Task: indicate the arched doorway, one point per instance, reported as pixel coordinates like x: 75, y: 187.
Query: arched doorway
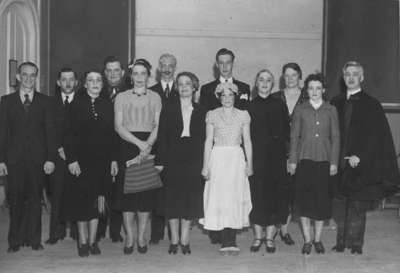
x: 19, y: 29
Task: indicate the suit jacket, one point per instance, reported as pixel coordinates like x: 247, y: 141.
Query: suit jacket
x: 61, y: 113
x: 211, y: 102
x: 173, y: 94
x: 365, y: 133
x: 27, y: 134
x: 106, y: 91
x: 170, y: 130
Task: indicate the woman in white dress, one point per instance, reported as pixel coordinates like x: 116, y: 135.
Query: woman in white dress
x: 227, y: 201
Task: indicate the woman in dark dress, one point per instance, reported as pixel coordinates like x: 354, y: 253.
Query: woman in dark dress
x: 137, y: 112
x: 292, y: 95
x: 314, y: 156
x: 180, y: 151
x: 91, y: 156
x: 269, y: 133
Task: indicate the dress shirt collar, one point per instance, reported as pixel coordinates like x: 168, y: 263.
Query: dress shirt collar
x: 222, y: 79
x: 22, y: 95
x: 350, y: 93
x: 164, y: 85
x: 322, y: 106
x: 70, y: 96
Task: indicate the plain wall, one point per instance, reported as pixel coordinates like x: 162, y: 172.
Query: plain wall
x: 261, y: 34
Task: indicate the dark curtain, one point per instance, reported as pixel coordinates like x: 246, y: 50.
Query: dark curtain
x: 84, y: 32
x: 366, y: 31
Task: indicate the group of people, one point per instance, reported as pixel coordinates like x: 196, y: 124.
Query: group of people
x: 231, y: 157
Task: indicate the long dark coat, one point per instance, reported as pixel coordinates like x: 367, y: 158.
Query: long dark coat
x: 365, y: 132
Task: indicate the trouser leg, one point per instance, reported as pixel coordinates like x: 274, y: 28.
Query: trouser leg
x: 15, y: 197
x: 57, y: 227
x: 358, y: 221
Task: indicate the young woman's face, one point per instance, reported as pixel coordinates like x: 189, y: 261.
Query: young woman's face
x: 292, y: 78
x: 264, y: 83
x: 227, y: 98
x: 185, y: 87
x: 139, y: 76
x: 94, y: 83
x: 315, y: 90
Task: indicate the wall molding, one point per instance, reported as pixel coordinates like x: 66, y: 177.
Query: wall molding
x: 208, y: 33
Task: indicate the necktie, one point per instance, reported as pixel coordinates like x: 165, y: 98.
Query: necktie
x: 167, y: 91
x: 113, y: 93
x: 93, y: 109
x: 66, y: 101
x: 27, y: 102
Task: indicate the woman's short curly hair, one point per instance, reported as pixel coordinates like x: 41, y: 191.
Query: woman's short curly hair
x: 192, y: 77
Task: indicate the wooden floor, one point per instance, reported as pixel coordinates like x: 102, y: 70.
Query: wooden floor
x: 381, y: 254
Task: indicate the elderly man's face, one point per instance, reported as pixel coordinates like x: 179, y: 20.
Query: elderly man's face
x: 167, y: 68
x: 225, y: 65
x: 113, y: 73
x: 353, y: 77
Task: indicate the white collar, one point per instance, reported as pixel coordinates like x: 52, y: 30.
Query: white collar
x: 222, y: 79
x: 316, y: 105
x: 70, y: 96
x: 350, y: 93
x: 164, y: 84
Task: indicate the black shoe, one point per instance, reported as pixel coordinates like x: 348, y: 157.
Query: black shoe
x: 117, y: 239
x: 142, y: 249
x: 255, y: 247
x: 286, y: 238
x: 270, y: 246
x: 356, y: 250
x: 173, y: 249
x: 51, y: 241
x: 128, y: 250
x: 319, y: 247
x: 37, y: 247
x: 154, y: 241
x: 94, y: 249
x: 338, y: 248
x: 83, y: 250
x: 306, y: 248
x: 13, y: 249
x: 186, y: 249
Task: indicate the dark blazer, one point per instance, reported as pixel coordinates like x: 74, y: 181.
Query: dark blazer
x: 61, y: 112
x: 173, y: 94
x: 106, y: 91
x: 170, y: 130
x: 365, y: 133
x: 31, y: 133
x: 211, y: 102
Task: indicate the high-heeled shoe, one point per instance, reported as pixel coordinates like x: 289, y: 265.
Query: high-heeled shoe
x: 306, y: 248
x: 128, y: 250
x: 270, y: 246
x: 256, y: 245
x: 142, y: 249
x: 173, y: 249
x: 286, y: 238
x: 186, y: 249
x: 319, y: 247
x: 94, y: 249
x: 83, y: 250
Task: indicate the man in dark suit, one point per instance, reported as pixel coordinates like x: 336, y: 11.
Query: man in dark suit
x: 67, y: 82
x: 114, y: 84
x: 368, y: 168
x: 224, y: 61
x: 27, y: 152
x: 166, y: 88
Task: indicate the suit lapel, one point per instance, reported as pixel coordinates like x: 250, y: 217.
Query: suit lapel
x: 179, y: 118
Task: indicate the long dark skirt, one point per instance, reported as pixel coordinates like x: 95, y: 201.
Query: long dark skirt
x: 142, y: 201
x: 183, y: 183
x: 314, y: 190
x: 270, y: 200
x: 80, y: 195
